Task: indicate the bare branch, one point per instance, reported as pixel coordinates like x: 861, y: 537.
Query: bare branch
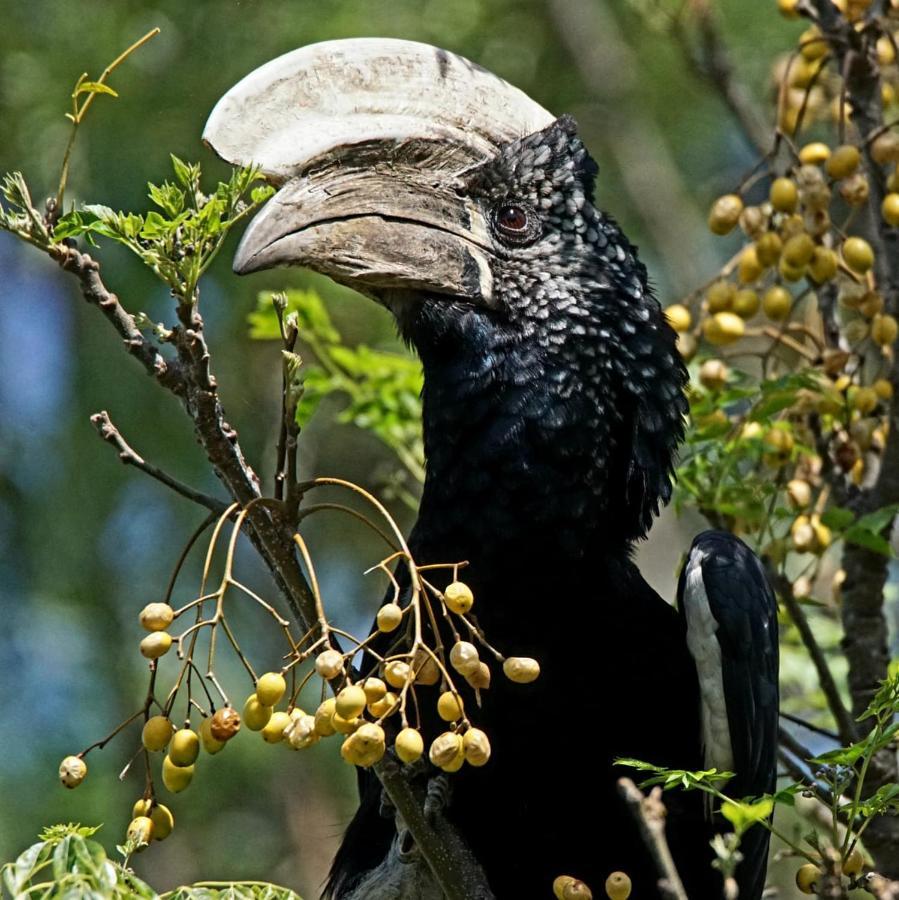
x: 709, y: 59
x: 844, y: 721
x: 649, y: 814
x: 130, y: 457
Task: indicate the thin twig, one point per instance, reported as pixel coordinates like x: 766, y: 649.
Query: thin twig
x: 130, y: 457
x: 649, y: 814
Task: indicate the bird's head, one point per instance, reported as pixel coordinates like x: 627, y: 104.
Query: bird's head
x: 452, y: 198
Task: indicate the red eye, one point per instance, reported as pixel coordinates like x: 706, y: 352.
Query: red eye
x: 516, y: 223
x: 512, y: 218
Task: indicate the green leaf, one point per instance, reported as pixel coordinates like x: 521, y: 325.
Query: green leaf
x: 94, y: 87
x: 743, y: 815
x: 838, y: 518
x: 870, y: 540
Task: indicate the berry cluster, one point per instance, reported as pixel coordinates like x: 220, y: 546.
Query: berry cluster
x: 370, y: 710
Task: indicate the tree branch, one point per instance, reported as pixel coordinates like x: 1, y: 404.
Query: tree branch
x: 649, y: 814
x: 845, y: 724
x: 710, y: 61
x: 130, y: 457
x: 864, y: 622
x: 271, y: 531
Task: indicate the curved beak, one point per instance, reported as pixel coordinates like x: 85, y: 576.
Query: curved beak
x: 367, y: 139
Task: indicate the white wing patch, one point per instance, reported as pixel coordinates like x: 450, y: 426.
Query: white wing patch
x: 706, y: 651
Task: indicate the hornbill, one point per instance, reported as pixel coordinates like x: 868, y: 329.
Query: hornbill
x: 553, y: 405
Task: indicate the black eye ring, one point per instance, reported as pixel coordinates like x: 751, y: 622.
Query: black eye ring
x: 516, y: 223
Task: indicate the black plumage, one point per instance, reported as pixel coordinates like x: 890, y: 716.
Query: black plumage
x: 553, y: 407
x: 550, y: 421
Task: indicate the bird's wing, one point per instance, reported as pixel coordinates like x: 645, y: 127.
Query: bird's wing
x: 731, y: 617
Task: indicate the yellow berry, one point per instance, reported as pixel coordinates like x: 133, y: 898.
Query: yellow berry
x: 345, y: 726
x: 884, y: 329
x: 141, y: 807
x: 351, y: 701
x: 843, y: 161
x: 858, y: 254
x: 723, y: 328
x: 140, y: 831
x: 814, y: 154
x: 225, y: 723
x: 577, y: 890
x: 302, y: 731
x: 803, y: 535
x: 864, y: 399
x: 458, y: 597
x: 854, y: 862
x: 784, y: 195
x: 720, y: 295
x: 870, y: 304
x: 446, y: 750
x: 883, y: 388
x: 210, y: 744
x: 184, y: 748
x: 777, y: 303
x: 886, y: 54
x: 521, y: 669
x: 480, y: 678
x: 789, y: 9
x: 156, y: 616
x: 270, y: 688
x: 365, y: 746
x: 768, y: 248
x: 386, y: 706
x: 746, y: 303
x: 374, y: 689
x: 560, y: 883
x: 823, y: 266
x: 618, y: 886
x: 725, y: 213
x: 425, y: 668
x: 778, y: 445
x: 389, y: 617
x: 889, y: 209
x: 678, y: 317
x: 799, y: 493
x: 273, y: 732
x: 798, y: 250
x: 156, y: 644
x: 157, y: 733
x: 324, y: 715
x: 713, y: 374
x: 163, y: 822
x: 807, y: 878
x: 476, y: 746
x: 409, y: 745
x: 329, y: 664
x: 855, y: 189
x: 749, y: 268
x: 256, y: 714
x: 687, y: 346
x: 176, y: 778
x: 397, y: 672
x: 464, y: 657
x: 811, y: 45
x: 72, y: 771
x: 885, y: 148
x: 449, y: 706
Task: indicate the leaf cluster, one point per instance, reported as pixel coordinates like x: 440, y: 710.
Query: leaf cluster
x: 67, y: 863
x: 180, y: 238
x: 382, y: 390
